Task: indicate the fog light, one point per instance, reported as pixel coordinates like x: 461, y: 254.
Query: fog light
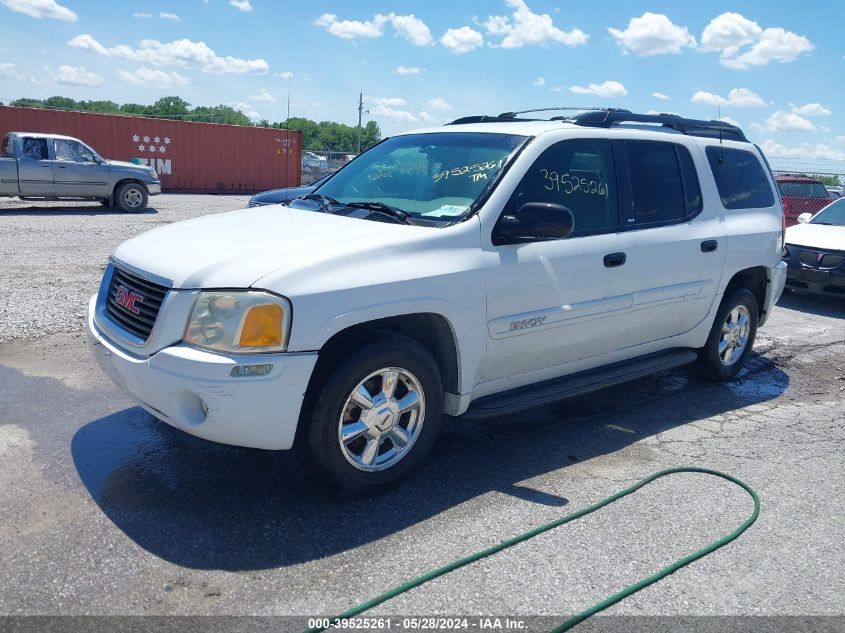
x: 251, y: 370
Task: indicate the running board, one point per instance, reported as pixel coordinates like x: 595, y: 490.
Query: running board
x: 578, y: 384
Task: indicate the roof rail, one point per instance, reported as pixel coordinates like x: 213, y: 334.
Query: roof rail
x: 607, y: 117
x: 690, y: 127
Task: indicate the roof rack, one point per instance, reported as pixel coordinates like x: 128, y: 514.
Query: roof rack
x: 607, y: 117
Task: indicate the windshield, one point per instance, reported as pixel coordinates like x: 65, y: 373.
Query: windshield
x: 834, y: 213
x: 434, y: 176
x: 792, y: 189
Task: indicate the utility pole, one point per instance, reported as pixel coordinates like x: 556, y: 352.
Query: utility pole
x: 360, y: 113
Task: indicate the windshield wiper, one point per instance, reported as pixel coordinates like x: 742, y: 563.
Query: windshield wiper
x: 385, y: 209
x: 325, y: 201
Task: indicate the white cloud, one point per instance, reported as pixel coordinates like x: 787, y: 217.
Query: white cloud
x: 388, y: 101
x: 169, y: 16
x: 246, y: 109
x: 437, y: 103
x: 185, y: 53
x: 738, y: 98
x: 661, y: 96
x: 782, y: 121
x: 540, y: 81
x: 841, y: 138
x: 462, y: 40
x: 425, y: 116
x: 8, y: 69
x: 607, y: 89
x: 286, y: 75
x: 652, y: 34
x: 810, y: 109
x: 41, y: 9
x: 819, y: 151
x: 526, y: 28
x: 78, y: 76
x: 412, y: 29
x: 408, y: 70
x: 352, y: 29
x: 142, y: 15
x: 402, y: 116
x: 743, y: 43
x: 152, y: 77
x: 264, y: 96
x: 730, y: 120
x: 241, y: 5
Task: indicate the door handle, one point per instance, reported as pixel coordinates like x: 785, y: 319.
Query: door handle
x: 614, y: 259
x: 62, y: 166
x: 708, y: 246
x: 46, y: 166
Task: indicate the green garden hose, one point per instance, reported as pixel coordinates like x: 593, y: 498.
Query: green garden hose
x: 610, y: 600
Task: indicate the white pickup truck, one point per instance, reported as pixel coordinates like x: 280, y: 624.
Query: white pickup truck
x: 52, y: 167
x: 478, y: 268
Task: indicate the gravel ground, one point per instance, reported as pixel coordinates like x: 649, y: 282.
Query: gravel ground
x: 53, y: 255
x: 106, y: 511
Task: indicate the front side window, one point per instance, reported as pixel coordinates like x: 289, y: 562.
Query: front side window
x: 73, y: 151
x: 436, y: 176
x: 740, y: 178
x: 578, y: 174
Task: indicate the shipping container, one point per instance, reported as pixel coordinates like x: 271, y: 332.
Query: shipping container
x: 188, y: 156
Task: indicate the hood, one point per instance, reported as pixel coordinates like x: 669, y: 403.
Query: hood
x: 234, y: 250
x: 124, y: 164
x: 825, y: 237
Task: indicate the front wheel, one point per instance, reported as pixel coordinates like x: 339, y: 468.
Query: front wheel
x: 731, y: 337
x: 376, y: 417
x: 131, y: 197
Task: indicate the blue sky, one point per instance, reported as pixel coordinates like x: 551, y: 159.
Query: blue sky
x: 775, y: 67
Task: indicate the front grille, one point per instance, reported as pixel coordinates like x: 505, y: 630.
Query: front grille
x: 815, y: 259
x: 135, y: 292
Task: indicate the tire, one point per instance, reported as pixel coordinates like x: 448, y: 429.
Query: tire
x: 372, y: 457
x: 131, y: 197
x: 731, y: 337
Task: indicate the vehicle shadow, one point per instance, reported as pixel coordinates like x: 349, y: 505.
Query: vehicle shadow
x: 821, y: 305
x: 207, y: 506
x: 41, y: 209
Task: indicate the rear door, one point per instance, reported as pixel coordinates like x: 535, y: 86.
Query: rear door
x: 35, y: 169
x: 677, y: 245
x: 76, y: 172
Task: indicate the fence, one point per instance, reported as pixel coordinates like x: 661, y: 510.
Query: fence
x: 318, y: 163
x: 802, y: 193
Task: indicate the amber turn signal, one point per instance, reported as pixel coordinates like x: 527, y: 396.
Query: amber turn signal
x: 263, y: 326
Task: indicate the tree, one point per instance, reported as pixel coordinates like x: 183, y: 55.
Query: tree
x: 829, y: 180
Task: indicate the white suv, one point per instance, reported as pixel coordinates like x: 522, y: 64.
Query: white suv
x: 486, y: 266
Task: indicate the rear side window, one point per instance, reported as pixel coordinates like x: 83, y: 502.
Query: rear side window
x: 664, y: 186
x: 580, y: 175
x: 740, y: 179
x: 803, y: 190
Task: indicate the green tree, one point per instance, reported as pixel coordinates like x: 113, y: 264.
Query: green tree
x: 829, y: 180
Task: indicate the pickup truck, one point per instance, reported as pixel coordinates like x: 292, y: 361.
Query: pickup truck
x: 52, y: 167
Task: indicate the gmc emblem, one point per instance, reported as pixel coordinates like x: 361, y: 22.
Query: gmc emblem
x: 128, y: 299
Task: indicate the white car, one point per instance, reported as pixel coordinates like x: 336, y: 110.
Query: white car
x: 815, y: 251
x: 478, y: 268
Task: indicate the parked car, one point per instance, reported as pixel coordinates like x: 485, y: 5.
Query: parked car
x: 52, y: 167
x: 800, y: 194
x: 312, y: 161
x: 286, y: 194
x: 479, y: 268
x: 815, y: 251
x: 835, y: 192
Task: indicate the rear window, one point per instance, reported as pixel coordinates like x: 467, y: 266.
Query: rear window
x: 803, y: 190
x: 740, y: 179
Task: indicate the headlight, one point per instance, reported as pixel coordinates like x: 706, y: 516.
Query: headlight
x: 153, y: 174
x: 242, y: 322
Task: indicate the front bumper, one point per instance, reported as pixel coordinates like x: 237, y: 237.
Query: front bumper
x: 829, y: 281
x: 193, y: 390
x: 153, y: 188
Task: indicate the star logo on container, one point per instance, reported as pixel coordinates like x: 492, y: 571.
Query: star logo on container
x: 141, y: 148
x: 136, y: 138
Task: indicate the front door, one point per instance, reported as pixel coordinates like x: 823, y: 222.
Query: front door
x: 35, y: 169
x: 550, y: 303
x: 76, y: 172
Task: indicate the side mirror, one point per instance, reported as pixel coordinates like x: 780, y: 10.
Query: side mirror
x: 804, y: 218
x: 533, y: 222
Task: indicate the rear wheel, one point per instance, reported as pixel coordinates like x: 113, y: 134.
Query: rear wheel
x: 732, y: 336
x: 376, y: 417
x: 131, y: 197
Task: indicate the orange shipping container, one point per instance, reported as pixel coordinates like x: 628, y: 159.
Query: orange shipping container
x: 188, y: 156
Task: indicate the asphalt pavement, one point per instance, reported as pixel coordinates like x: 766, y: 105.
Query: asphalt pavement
x: 106, y: 511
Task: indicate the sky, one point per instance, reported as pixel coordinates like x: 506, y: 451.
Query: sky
x: 775, y: 68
